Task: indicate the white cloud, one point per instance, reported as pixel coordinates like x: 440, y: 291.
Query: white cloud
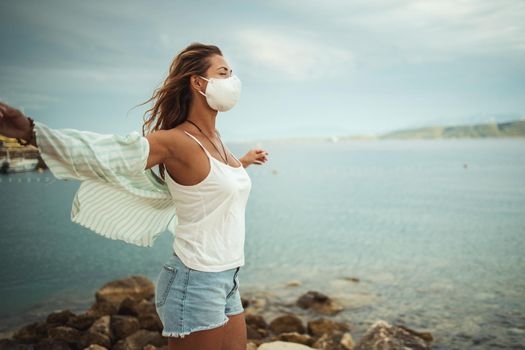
x: 294, y: 55
x: 419, y: 31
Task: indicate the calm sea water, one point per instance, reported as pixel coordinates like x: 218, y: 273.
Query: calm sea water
x: 434, y: 230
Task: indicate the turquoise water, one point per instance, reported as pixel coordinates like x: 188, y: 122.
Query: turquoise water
x: 434, y: 230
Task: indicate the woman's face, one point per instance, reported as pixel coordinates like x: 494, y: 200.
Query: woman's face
x: 219, y: 68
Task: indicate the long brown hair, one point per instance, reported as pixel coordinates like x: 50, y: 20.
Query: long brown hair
x: 173, y: 97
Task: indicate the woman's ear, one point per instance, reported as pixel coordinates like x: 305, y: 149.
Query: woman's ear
x: 197, y: 83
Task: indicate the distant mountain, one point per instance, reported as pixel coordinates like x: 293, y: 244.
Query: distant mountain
x: 507, y: 129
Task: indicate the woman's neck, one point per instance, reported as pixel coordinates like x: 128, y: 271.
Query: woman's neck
x: 204, y: 118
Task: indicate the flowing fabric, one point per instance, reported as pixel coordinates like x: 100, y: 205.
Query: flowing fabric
x: 118, y: 198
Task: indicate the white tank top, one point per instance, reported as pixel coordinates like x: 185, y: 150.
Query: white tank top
x: 209, y: 235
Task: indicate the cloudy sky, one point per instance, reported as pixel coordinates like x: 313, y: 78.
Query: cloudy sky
x: 308, y: 68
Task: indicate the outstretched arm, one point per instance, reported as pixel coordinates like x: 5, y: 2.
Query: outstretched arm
x: 81, y: 155
x: 254, y: 156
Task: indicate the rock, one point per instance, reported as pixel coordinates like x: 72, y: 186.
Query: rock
x: 31, y: 333
x: 139, y: 339
x: 10, y: 344
x: 319, y: 302
x: 245, y: 302
x: 151, y: 322
x: 383, y: 336
x: 59, y: 318
x: 136, y: 287
x: 256, y: 321
x: 251, y: 346
x: 103, y: 308
x: 133, y: 307
x: 352, y: 279
x: 102, y: 326
x: 347, y: 341
x: 293, y: 283
x: 81, y: 322
x: 426, y: 336
x: 95, y: 347
x: 92, y: 338
x: 122, y: 326
x: 144, y: 310
x: 281, y: 345
x: 287, y: 323
x: 98, y: 334
x: 128, y: 306
x: 257, y: 303
x: 66, y: 334
x: 153, y: 347
x: 294, y: 337
x: 320, y: 326
x: 252, y: 333
x: 52, y: 344
x: 334, y: 341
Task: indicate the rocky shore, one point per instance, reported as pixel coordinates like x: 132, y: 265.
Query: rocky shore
x: 123, y: 317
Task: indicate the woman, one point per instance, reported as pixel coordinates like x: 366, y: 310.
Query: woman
x: 197, y: 295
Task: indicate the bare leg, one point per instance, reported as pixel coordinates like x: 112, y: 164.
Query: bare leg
x: 235, y: 334
x: 209, y: 339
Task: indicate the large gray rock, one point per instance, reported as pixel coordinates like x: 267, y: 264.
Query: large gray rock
x: 334, y: 341
x: 382, y: 336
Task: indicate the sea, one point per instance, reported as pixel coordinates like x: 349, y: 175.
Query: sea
x: 429, y: 234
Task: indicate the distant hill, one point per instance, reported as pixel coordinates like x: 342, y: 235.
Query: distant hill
x: 506, y: 129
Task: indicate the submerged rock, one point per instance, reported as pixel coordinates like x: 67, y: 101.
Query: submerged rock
x: 319, y: 302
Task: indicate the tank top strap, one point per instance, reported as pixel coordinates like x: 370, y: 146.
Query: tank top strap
x: 193, y: 137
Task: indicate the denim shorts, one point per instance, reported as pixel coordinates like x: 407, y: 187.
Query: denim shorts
x: 189, y: 300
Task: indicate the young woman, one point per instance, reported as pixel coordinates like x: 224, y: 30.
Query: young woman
x: 197, y: 291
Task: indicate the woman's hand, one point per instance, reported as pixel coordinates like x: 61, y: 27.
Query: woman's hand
x: 254, y: 156
x: 13, y: 123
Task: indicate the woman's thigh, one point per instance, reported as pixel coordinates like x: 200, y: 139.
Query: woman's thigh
x: 211, y: 339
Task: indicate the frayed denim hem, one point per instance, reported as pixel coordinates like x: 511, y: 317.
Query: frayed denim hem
x: 182, y: 334
x: 236, y: 313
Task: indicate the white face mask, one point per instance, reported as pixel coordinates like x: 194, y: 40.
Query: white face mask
x: 222, y: 94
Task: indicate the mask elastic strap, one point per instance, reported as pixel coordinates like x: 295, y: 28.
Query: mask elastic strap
x: 203, y: 94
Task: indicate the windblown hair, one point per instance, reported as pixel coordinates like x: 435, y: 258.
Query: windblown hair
x: 173, y: 98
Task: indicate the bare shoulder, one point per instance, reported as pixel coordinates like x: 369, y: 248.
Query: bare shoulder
x: 180, y: 146
x: 167, y: 145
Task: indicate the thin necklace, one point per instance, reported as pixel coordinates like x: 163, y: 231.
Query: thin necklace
x: 226, y: 161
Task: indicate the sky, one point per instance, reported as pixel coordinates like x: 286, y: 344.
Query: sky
x: 308, y: 68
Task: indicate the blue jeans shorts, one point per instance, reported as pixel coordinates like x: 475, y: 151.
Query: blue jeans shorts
x: 189, y: 300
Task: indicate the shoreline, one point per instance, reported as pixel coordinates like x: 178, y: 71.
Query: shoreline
x: 123, y: 312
